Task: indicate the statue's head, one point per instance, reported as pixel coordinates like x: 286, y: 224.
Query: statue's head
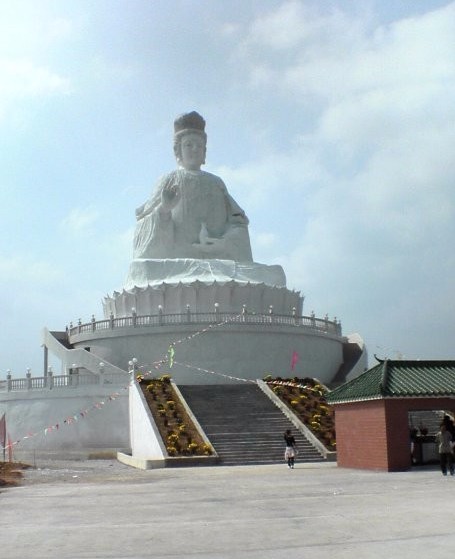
x: 189, y: 128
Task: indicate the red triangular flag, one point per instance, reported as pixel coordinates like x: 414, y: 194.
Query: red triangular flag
x: 294, y: 359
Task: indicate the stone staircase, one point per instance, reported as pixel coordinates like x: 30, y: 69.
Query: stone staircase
x: 244, y: 425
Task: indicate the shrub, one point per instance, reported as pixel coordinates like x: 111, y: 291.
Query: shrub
x: 172, y: 439
x: 192, y: 447
x: 177, y: 430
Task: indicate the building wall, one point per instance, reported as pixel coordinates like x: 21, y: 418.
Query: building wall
x: 361, y: 435
x: 30, y: 413
x: 375, y: 434
x: 247, y: 351
x: 146, y: 441
x: 397, y: 432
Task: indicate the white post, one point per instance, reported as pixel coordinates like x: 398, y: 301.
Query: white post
x: 28, y: 375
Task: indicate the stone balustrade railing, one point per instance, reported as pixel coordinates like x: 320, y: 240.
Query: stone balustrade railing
x: 136, y: 321
x: 50, y: 381
x: 78, y: 378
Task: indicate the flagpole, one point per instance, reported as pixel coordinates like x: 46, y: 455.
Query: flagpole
x: 3, y: 435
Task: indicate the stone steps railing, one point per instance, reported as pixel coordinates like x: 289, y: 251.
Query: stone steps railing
x: 136, y: 321
x: 53, y: 382
x: 82, y: 367
x: 78, y: 356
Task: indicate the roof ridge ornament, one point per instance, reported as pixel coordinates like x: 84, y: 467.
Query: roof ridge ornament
x: 385, y: 377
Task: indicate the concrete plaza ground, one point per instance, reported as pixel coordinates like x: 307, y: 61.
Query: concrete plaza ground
x: 104, y: 509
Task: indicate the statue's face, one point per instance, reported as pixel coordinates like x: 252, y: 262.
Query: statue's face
x: 192, y: 152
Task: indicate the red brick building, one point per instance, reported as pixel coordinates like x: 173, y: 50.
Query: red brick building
x: 371, y: 411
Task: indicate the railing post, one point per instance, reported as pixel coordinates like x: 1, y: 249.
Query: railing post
x: 79, y: 324
x: 51, y: 380
x: 134, y: 316
x: 217, y: 312
x: 294, y: 314
x: 313, y: 319
x: 326, y: 320
x: 46, y: 356
x: 111, y: 321
x: 160, y: 315
x: 46, y: 376
x: 188, y: 313
x: 337, y: 326
x: 8, y: 380
x: 28, y: 376
x: 93, y: 323
x: 73, y: 379
x: 132, y: 368
x: 271, y: 313
x: 244, y: 312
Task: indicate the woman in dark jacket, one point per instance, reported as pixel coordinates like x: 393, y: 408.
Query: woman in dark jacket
x: 290, y: 452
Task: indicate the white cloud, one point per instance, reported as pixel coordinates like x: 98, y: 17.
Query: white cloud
x: 374, y: 176
x: 80, y: 221
x: 24, y: 271
x: 286, y: 27
x: 263, y: 240
x: 333, y: 56
x: 25, y: 72
x: 22, y: 78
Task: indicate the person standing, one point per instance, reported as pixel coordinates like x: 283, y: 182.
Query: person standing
x: 444, y: 442
x: 290, y: 452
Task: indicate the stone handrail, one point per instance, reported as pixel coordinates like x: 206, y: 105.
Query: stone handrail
x: 136, y: 321
x: 51, y: 381
x: 79, y: 356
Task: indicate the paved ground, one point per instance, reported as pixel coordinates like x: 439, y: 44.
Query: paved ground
x: 104, y: 509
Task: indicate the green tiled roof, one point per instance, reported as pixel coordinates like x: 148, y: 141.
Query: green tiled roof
x: 399, y: 379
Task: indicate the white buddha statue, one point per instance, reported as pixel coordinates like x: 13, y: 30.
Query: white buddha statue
x: 191, y: 228
x: 190, y: 213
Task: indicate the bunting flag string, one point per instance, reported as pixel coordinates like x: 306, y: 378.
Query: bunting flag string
x: 156, y: 365
x: 291, y: 383
x: 71, y: 419
x: 224, y: 375
x: 168, y: 359
x: 389, y: 350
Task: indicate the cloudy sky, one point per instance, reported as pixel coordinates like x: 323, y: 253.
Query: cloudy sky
x: 332, y: 123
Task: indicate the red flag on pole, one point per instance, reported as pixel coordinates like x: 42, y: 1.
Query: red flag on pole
x: 3, y: 434
x: 294, y: 359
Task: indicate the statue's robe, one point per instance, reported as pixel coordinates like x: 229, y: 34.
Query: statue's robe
x: 204, y: 199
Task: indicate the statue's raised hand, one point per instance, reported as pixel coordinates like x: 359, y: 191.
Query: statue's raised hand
x: 170, y: 196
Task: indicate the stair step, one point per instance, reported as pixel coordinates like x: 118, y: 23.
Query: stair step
x: 244, y: 425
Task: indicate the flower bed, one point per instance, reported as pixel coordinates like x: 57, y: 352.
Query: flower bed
x: 11, y: 473
x: 306, y: 398
x: 176, y: 427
